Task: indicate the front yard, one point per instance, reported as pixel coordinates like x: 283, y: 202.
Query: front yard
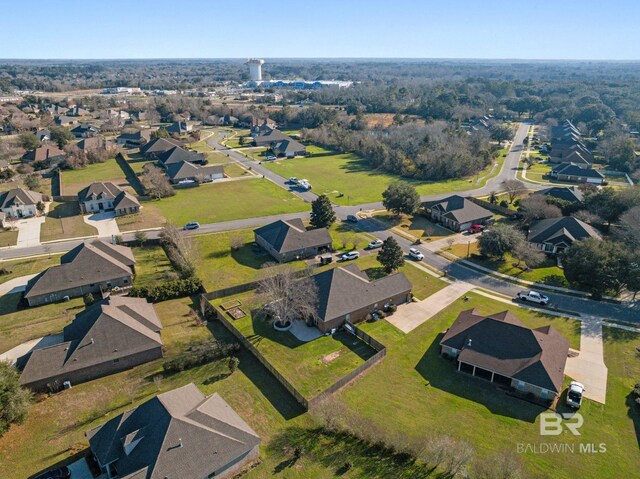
x: 416, y: 226
x: 64, y: 220
x: 8, y: 237
x: 212, y: 203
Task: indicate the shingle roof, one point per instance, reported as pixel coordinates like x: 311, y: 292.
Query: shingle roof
x: 290, y: 235
x: 114, y: 328
x: 571, y: 169
x: 459, y: 209
x: 19, y: 197
x: 125, y: 200
x: 177, y: 154
x: 87, y: 263
x: 43, y: 152
x: 565, y: 229
x: 502, y: 344
x: 158, y: 145
x: 287, y: 146
x: 346, y: 289
x: 562, y: 192
x: 99, y: 190
x: 180, y: 433
x: 91, y: 143
x: 184, y: 169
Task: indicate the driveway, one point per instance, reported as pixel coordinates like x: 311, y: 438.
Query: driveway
x: 13, y: 354
x: 104, y: 222
x: 80, y: 470
x: 15, y: 285
x: 29, y: 231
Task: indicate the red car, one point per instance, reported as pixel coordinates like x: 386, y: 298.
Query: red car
x: 476, y: 228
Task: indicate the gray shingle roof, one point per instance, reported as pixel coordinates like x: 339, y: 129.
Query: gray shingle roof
x: 459, y: 209
x: 185, y: 169
x: 177, y: 154
x: 19, y: 196
x: 87, y: 263
x: 571, y: 169
x: 563, y: 193
x: 502, y: 344
x: 99, y: 190
x: 565, y: 229
x: 290, y: 235
x: 109, y: 330
x: 346, y: 289
x: 125, y: 200
x: 179, y: 434
x: 43, y: 152
x: 159, y: 145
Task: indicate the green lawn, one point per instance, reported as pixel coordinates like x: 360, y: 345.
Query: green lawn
x: 18, y: 326
x: 65, y: 221
x: 22, y: 267
x: 416, y: 226
x: 233, y: 200
x: 232, y: 170
x: 8, y: 237
x: 547, y: 273
x: 74, y: 180
x: 149, y: 217
x: 348, y: 179
x: 414, y: 391
x: 152, y: 265
x: 311, y: 367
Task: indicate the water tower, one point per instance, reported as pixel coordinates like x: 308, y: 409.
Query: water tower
x: 255, y: 68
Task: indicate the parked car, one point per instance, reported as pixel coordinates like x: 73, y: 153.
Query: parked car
x: 416, y: 254
x: 375, y: 244
x: 293, y: 180
x: 533, y: 296
x: 350, y: 255
x: 574, y: 394
x: 59, y: 473
x: 352, y: 218
x: 476, y: 229
x: 271, y: 158
x: 193, y: 225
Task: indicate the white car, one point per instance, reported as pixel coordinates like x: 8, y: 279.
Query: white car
x: 416, y: 254
x: 304, y: 184
x: 350, y: 255
x: 375, y: 244
x: 574, y: 394
x: 534, y: 297
x: 271, y: 158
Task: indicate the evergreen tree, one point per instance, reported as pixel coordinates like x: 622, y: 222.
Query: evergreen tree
x: 322, y: 214
x: 391, y: 256
x: 13, y: 398
x: 401, y: 197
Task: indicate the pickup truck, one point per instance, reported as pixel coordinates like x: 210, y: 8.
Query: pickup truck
x: 533, y: 296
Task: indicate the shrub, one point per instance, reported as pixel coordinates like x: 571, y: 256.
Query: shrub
x: 168, y: 290
x: 381, y: 314
x: 504, y: 203
x: 201, y: 353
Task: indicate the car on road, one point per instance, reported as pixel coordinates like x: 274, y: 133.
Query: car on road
x: 304, y: 184
x: 271, y: 158
x: 293, y: 180
x: 533, y: 296
x: 59, y: 473
x: 352, y: 218
x: 416, y: 254
x: 192, y: 225
x: 476, y: 229
x: 375, y: 244
x: 574, y: 394
x: 349, y: 256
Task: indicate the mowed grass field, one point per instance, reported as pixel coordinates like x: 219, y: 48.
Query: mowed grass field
x: 74, y: 180
x: 64, y: 220
x: 349, y: 180
x: 212, y: 203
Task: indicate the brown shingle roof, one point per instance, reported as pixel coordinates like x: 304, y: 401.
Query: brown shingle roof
x: 19, y: 196
x: 458, y: 209
x: 290, y: 235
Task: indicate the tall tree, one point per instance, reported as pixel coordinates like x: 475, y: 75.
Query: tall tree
x: 501, y: 133
x: 499, y: 240
x: 513, y: 188
x: 61, y: 136
x: 390, y: 256
x: 322, y: 214
x: 401, y: 197
x: 13, y: 398
x: 28, y: 140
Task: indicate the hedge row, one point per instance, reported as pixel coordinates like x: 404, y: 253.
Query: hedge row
x: 167, y: 290
x: 200, y: 353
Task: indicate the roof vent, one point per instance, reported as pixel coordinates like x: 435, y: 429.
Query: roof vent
x: 180, y: 442
x: 469, y: 343
x: 92, y: 341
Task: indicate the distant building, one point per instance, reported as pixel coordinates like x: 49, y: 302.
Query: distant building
x: 278, y: 143
x: 43, y: 153
x: 576, y: 174
x: 255, y: 68
x: 135, y: 139
x: 157, y: 146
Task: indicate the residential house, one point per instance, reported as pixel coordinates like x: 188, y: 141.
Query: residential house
x: 178, y: 154
x: 85, y: 130
x: 93, y: 143
x: 178, y: 434
x: 157, y: 146
x: 184, y: 171
x: 456, y: 212
x: 5, y: 165
x: 46, y: 152
x: 500, y: 349
x: 19, y: 203
x: 554, y: 235
x: 105, y: 196
x: 64, y: 120
x: 138, y: 115
x: 346, y: 293
x: 289, y: 240
x: 93, y: 268
x: 43, y: 135
x: 134, y: 139
x: 279, y: 143
x: 113, y: 335
x: 179, y: 128
x: 77, y: 111
x: 576, y: 174
x: 571, y: 156
x: 564, y: 193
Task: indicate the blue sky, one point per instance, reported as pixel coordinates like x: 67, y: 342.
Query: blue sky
x: 534, y: 29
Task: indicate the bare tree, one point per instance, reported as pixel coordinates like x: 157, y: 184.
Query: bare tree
x: 513, y: 188
x: 527, y: 256
x: 155, y: 182
x: 180, y: 249
x: 629, y: 227
x: 236, y: 241
x: 459, y: 454
x: 536, y: 208
x: 505, y: 465
x: 285, y: 295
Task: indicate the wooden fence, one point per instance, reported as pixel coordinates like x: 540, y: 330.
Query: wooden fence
x: 129, y: 174
x: 210, y: 311
x: 501, y: 210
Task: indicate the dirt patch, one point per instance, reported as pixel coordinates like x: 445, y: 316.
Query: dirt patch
x: 236, y: 313
x: 329, y: 358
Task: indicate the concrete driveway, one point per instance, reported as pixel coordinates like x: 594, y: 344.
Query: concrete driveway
x: 29, y: 231
x: 104, y: 222
x: 15, y: 285
x: 80, y: 470
x: 13, y: 354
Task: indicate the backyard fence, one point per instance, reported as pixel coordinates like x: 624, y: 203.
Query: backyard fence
x: 208, y: 310
x: 129, y: 174
x: 493, y: 207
